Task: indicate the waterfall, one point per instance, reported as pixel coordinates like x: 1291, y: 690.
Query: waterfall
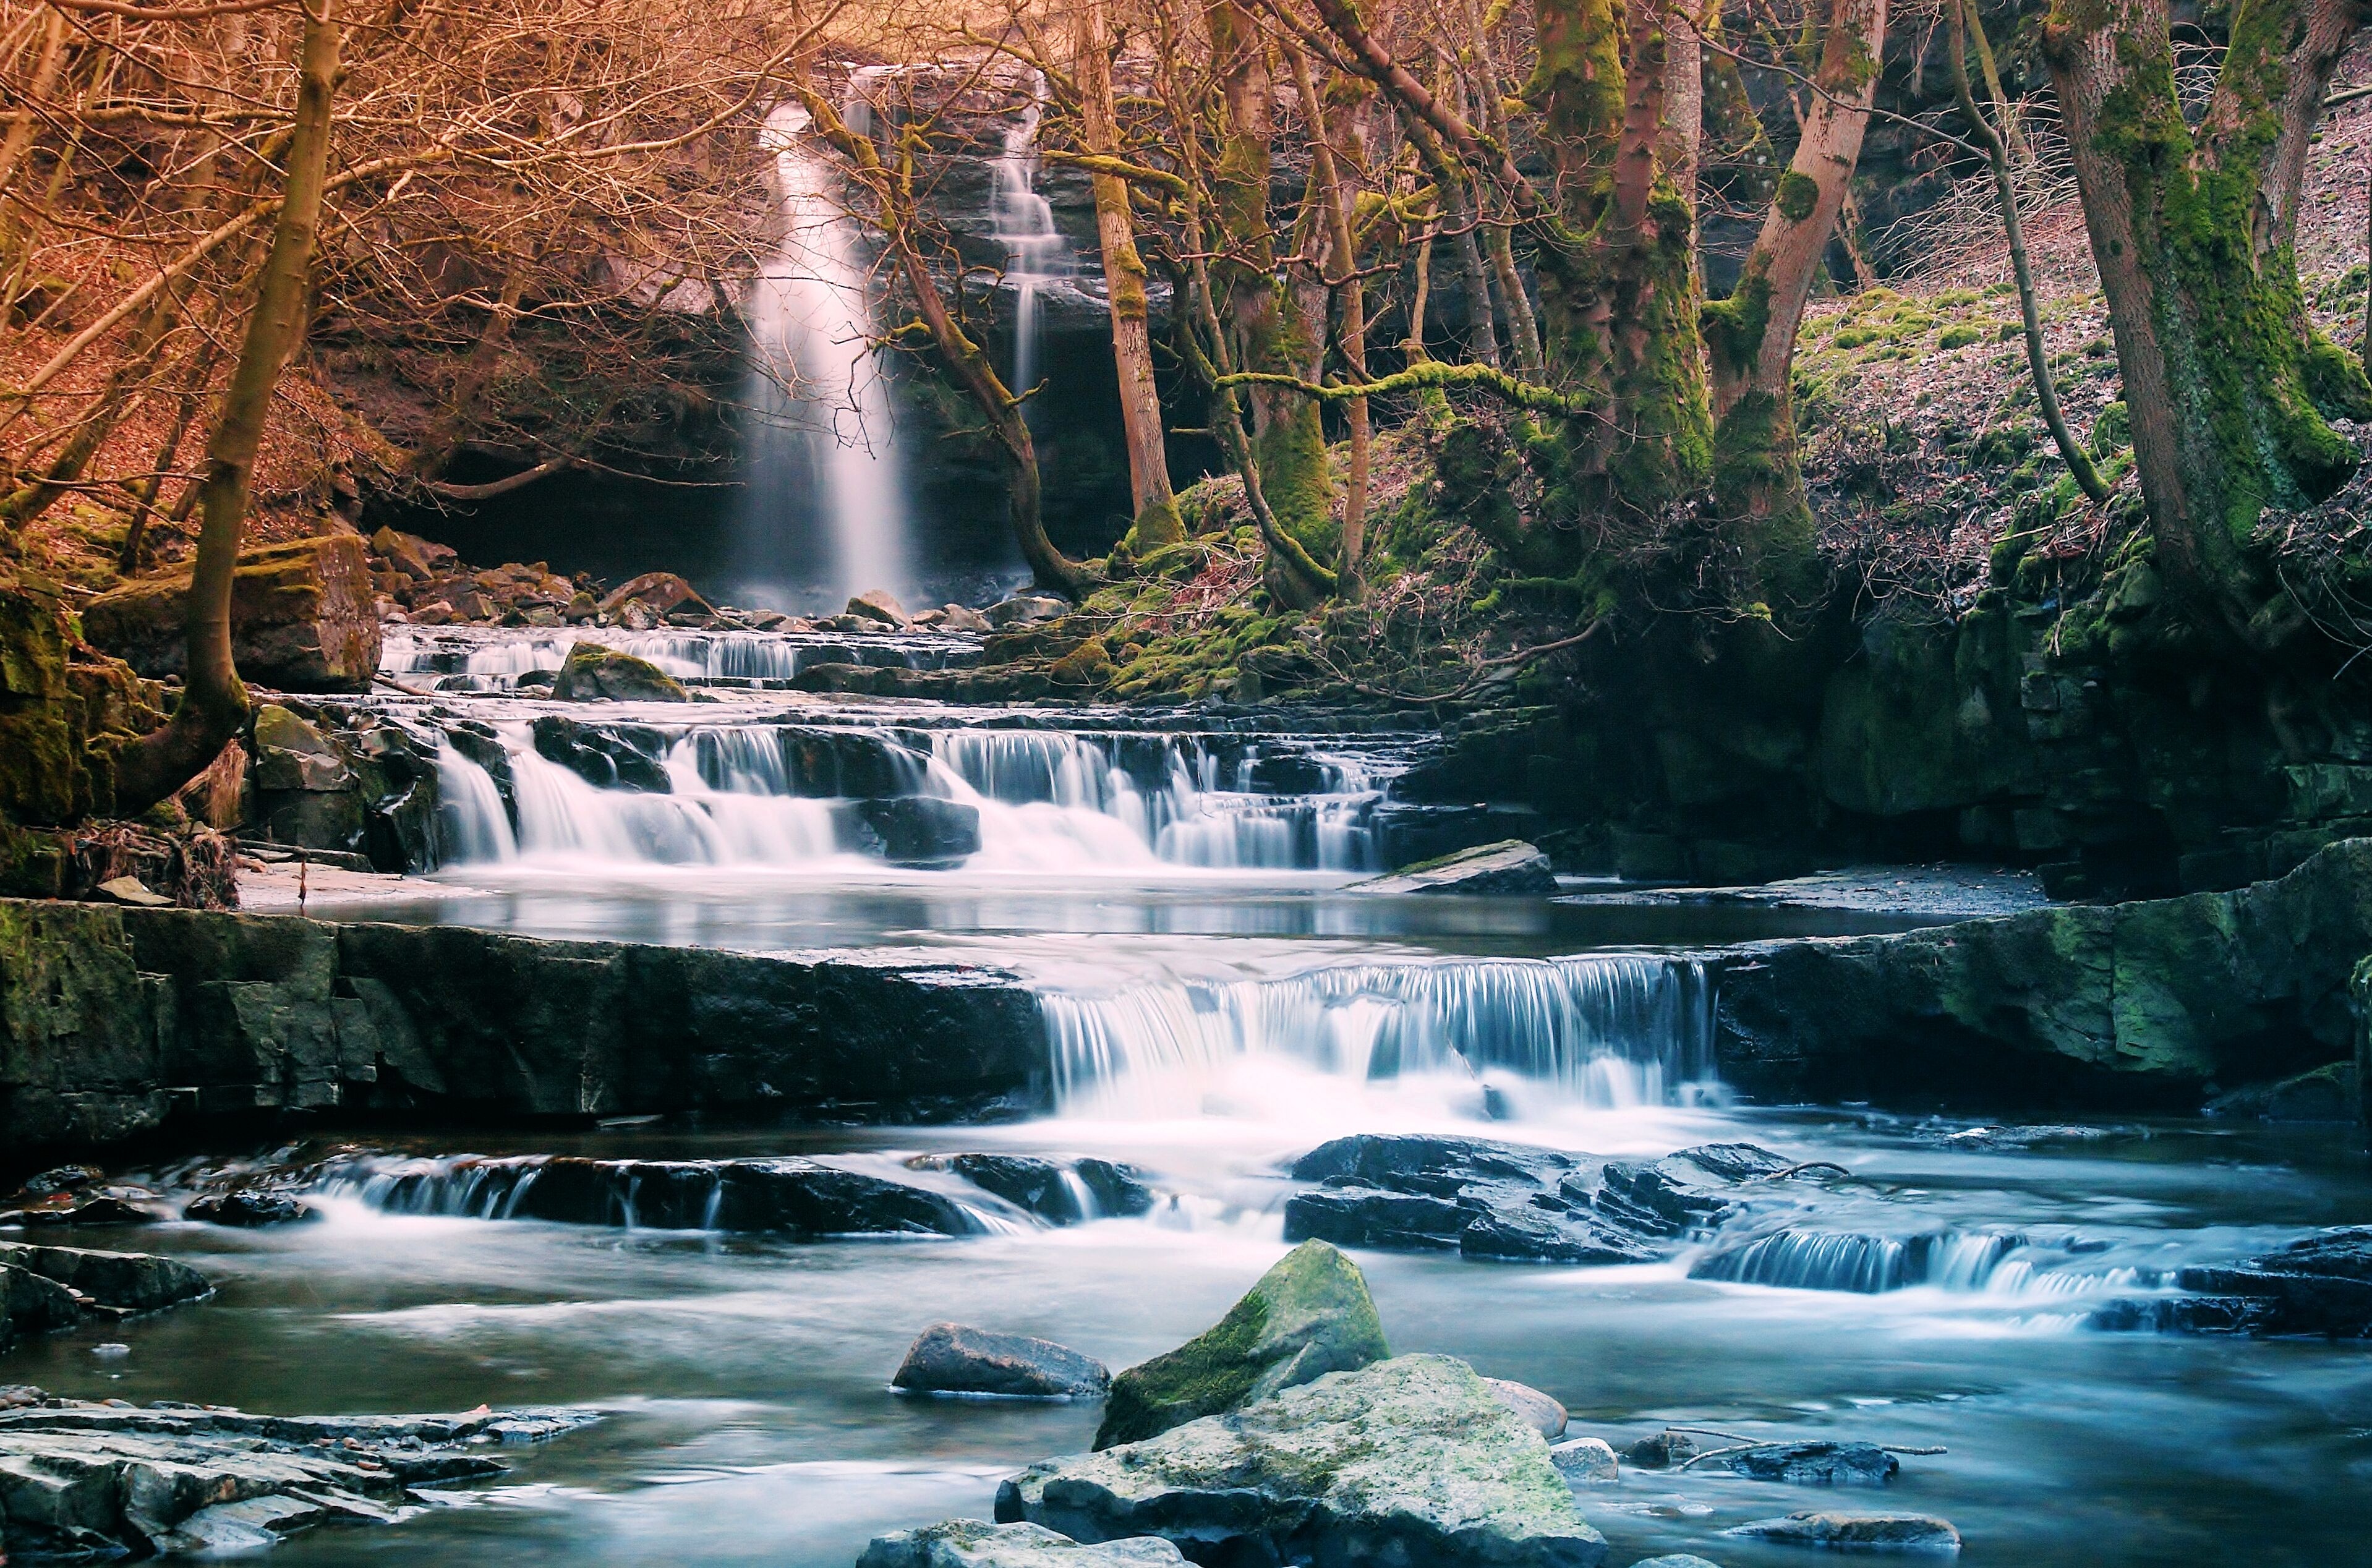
x: 478, y: 659
x: 1607, y: 1030
x: 1035, y: 253
x: 2005, y: 1263
x: 821, y: 405
x: 785, y: 795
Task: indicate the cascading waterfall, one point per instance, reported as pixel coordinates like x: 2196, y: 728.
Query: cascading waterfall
x: 1035, y: 253
x: 494, y: 661
x: 2000, y: 1262
x: 821, y: 406
x: 1607, y: 1030
x: 768, y: 795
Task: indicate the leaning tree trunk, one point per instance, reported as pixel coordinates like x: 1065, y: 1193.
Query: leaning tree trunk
x: 1288, y: 442
x: 2229, y: 381
x: 213, y: 703
x: 1750, y: 336
x: 1156, y: 521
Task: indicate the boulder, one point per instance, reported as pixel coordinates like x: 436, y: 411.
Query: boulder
x: 1053, y: 1192
x: 1024, y: 610
x: 1662, y: 1451
x: 878, y: 604
x: 951, y: 1358
x: 1309, y: 1316
x: 133, y: 891
x: 89, y: 1481
x: 2319, y: 1284
x: 412, y: 555
x: 1537, y: 1410
x: 2326, y: 1093
x: 250, y: 1208
x: 608, y: 757
x: 1510, y: 866
x: 1811, y: 1464
x: 659, y: 593
x: 120, y: 1282
x: 1857, y: 1532
x: 1410, y: 1460
x: 595, y: 673
x: 1586, y: 1459
x: 924, y: 829
x: 970, y: 1543
x: 304, y: 618
x: 31, y: 1303
x: 958, y: 618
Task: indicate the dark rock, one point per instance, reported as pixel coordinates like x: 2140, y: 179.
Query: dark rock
x: 2319, y: 1285
x: 1510, y: 866
x: 1691, y: 1191
x: 924, y: 829
x: 103, y: 1209
x: 1120, y: 1191
x: 32, y: 1304
x: 93, y: 1481
x: 1056, y: 1192
x: 1812, y: 1464
x: 1662, y: 1451
x: 1406, y: 1461
x: 949, y: 1358
x: 303, y: 618
x: 108, y: 1009
x: 595, y: 673
x: 61, y: 1179
x: 123, y: 1282
x: 2326, y: 1093
x: 1857, y: 1532
x: 607, y: 757
x: 1509, y: 1233
x: 250, y: 1208
x: 1308, y: 1315
x: 1388, y: 1222
x: 970, y: 1543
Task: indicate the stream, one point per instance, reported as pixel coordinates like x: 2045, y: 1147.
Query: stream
x: 1215, y: 1002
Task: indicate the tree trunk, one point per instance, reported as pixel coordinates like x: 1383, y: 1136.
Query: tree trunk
x: 2228, y: 380
x: 1750, y: 336
x: 1287, y: 440
x: 213, y: 703
x: 1155, y: 508
x: 1336, y: 121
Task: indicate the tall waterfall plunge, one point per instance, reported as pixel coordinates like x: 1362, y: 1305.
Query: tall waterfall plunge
x: 822, y: 512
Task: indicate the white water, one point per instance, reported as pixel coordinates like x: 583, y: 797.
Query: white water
x: 1489, y: 1037
x: 492, y: 661
x: 821, y: 404
x: 1049, y: 801
x: 1035, y: 253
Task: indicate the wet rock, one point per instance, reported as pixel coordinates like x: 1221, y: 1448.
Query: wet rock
x: 1541, y: 1229
x: 1662, y: 1451
x: 951, y: 1358
x: 593, y: 672
x: 1053, y: 1192
x: 1024, y: 610
x: 96, y: 1209
x: 1410, y: 1461
x: 960, y: 618
x: 95, y: 1481
x: 610, y: 757
x: 923, y: 830
x: 30, y: 1304
x: 304, y: 618
x: 60, y: 1179
x: 1537, y: 1410
x: 1120, y: 1191
x: 1309, y: 1316
x: 1811, y: 1464
x: 970, y: 1543
x: 1511, y: 865
x: 2326, y: 1093
x: 1693, y: 1191
x: 879, y: 605
x: 250, y: 1208
x: 2319, y: 1285
x: 1857, y: 1532
x: 659, y: 594
x: 124, y: 1282
x: 1586, y: 1459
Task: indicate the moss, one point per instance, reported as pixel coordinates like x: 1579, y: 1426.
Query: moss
x: 1959, y: 337
x: 1089, y: 664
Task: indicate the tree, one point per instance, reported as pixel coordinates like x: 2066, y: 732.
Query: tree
x: 2229, y: 383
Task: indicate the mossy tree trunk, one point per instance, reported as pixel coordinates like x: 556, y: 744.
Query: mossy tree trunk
x: 1267, y: 337
x: 1156, y: 508
x: 213, y: 703
x: 1750, y: 336
x: 2229, y: 384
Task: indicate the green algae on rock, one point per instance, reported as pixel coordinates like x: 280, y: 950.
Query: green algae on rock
x: 1310, y: 1315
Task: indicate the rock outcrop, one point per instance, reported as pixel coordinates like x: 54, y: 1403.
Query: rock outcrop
x: 2141, y: 1005
x: 952, y: 1358
x: 1510, y: 866
x: 972, y: 1543
x: 2319, y: 1285
x: 88, y: 1481
x: 303, y: 618
x: 113, y: 1021
x: 1308, y: 1315
x: 1411, y: 1461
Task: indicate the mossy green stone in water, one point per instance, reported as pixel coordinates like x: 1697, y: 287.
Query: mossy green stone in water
x: 594, y: 672
x: 1309, y: 1316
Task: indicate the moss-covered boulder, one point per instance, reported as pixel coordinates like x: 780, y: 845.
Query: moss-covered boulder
x: 1410, y: 1461
x: 593, y: 672
x: 973, y: 1543
x: 1309, y: 1316
x: 304, y: 617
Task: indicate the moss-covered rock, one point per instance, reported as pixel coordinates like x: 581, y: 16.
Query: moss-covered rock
x: 594, y: 673
x: 1411, y: 1461
x: 1308, y: 1315
x: 973, y: 1543
x: 304, y: 618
